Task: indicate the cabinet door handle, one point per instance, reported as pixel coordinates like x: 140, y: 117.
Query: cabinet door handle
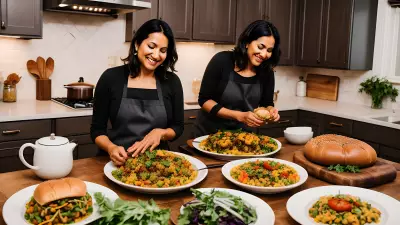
x: 336, y: 124
x: 318, y: 61
x: 192, y: 117
x: 3, y: 25
x: 284, y: 121
x: 8, y: 132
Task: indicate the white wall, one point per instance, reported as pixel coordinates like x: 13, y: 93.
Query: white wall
x: 87, y: 45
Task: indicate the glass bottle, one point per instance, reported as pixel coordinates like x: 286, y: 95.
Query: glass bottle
x: 9, y: 93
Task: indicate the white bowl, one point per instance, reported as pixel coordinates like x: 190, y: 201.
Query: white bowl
x: 298, y: 135
x: 226, y: 171
x: 197, y: 164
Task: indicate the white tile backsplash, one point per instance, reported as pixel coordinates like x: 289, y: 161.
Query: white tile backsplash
x: 85, y: 46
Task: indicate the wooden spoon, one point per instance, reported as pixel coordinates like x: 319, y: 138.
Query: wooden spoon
x: 49, y: 67
x: 33, y: 68
x: 42, y: 67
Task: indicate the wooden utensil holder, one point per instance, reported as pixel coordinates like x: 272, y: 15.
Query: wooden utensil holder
x: 43, y: 89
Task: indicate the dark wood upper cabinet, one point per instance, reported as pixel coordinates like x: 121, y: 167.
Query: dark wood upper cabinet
x: 136, y: 19
x: 178, y: 14
x: 283, y: 14
x: 337, y: 34
x: 21, y: 18
x: 310, y: 33
x: 214, y: 21
x: 248, y: 12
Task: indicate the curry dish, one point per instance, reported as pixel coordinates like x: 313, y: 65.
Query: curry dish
x: 63, y: 211
x: 238, y: 143
x: 156, y: 169
x: 344, y: 209
x: 265, y: 174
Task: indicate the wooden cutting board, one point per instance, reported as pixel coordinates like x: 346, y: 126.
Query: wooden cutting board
x: 322, y: 87
x: 378, y: 174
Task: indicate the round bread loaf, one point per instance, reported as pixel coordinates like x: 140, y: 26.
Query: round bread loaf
x: 333, y: 149
x: 52, y: 190
x: 263, y: 113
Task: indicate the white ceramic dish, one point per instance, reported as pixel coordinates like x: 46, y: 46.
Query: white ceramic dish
x: 226, y: 171
x: 229, y: 157
x: 299, y: 130
x: 265, y: 214
x: 14, y: 208
x: 197, y: 164
x: 297, y: 138
x: 299, y: 204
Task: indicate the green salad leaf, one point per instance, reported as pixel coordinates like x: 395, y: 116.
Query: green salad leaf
x: 341, y: 168
x: 130, y: 212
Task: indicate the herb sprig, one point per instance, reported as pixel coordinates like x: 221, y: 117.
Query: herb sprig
x: 341, y: 168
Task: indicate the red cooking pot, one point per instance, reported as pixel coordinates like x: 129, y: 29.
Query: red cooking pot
x: 80, y: 90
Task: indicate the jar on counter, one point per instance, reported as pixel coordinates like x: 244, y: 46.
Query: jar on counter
x: 301, y: 89
x: 9, y: 93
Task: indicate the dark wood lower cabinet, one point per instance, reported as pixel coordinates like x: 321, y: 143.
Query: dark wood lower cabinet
x: 392, y: 154
x: 9, y: 156
x: 288, y: 119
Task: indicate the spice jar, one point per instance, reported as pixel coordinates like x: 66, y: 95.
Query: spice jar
x: 9, y: 93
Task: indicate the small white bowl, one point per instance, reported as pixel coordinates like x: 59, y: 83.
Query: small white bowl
x: 226, y: 171
x: 298, y: 135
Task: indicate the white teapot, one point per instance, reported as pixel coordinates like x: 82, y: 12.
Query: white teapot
x: 52, y: 158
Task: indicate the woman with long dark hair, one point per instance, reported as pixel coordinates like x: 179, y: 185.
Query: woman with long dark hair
x: 143, y: 99
x: 236, y: 82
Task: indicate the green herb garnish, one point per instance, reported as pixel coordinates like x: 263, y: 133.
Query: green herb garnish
x: 341, y: 168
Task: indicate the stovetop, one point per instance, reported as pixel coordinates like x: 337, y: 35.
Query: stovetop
x: 74, y: 104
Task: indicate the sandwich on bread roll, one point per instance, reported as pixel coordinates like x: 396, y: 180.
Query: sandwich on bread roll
x: 263, y: 113
x: 61, y: 201
x: 331, y: 149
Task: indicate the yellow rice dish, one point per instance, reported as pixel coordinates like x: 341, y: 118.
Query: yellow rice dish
x: 238, y: 143
x: 156, y: 169
x: 344, y: 209
x: 265, y: 174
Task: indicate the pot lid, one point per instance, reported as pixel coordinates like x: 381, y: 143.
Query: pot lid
x: 53, y: 140
x: 80, y: 84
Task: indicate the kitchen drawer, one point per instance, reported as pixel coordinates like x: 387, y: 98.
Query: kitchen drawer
x: 378, y: 134
x: 307, y: 117
x: 22, y: 130
x: 73, y: 126
x: 9, y: 155
x: 336, y: 125
x: 85, y: 148
x: 287, y: 119
x: 190, y: 115
x: 388, y: 153
x: 274, y: 132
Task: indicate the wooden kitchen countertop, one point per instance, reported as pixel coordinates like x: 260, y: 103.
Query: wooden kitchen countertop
x: 92, y: 170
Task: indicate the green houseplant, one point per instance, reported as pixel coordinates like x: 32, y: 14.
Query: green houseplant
x: 379, y: 89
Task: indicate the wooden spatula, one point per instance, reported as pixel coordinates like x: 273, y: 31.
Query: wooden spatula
x: 42, y: 67
x: 33, y: 68
x: 49, y: 67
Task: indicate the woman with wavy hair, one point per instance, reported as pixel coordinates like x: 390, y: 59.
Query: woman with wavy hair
x: 143, y: 99
x: 236, y: 82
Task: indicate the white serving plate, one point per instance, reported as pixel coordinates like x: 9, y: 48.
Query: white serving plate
x: 299, y: 204
x: 197, y: 164
x: 226, y: 171
x: 229, y: 157
x: 14, y: 208
x: 265, y: 214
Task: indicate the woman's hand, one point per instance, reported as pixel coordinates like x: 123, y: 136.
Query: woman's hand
x: 151, y: 140
x: 274, y: 113
x: 249, y: 118
x: 117, y: 155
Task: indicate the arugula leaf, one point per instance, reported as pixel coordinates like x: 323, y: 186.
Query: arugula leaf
x: 130, y: 212
x: 341, y: 168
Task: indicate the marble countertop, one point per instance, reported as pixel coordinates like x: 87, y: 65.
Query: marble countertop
x: 33, y: 109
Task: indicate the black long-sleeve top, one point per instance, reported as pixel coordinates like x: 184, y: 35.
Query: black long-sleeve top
x: 108, y: 96
x: 216, y: 78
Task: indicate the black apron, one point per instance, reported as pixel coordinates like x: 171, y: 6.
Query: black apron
x: 136, y: 118
x: 236, y: 96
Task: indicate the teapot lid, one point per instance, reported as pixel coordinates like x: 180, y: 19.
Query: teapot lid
x: 53, y: 140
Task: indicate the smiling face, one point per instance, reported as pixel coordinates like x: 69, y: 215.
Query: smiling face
x: 152, y: 51
x: 260, y: 50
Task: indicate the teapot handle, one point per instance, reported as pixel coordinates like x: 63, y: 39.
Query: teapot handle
x: 21, y: 155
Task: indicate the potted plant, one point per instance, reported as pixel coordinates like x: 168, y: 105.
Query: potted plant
x: 379, y: 89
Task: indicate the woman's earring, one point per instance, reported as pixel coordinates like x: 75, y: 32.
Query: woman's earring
x: 135, y: 52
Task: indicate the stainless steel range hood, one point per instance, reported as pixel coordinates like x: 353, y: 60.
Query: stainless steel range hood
x: 96, y: 7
